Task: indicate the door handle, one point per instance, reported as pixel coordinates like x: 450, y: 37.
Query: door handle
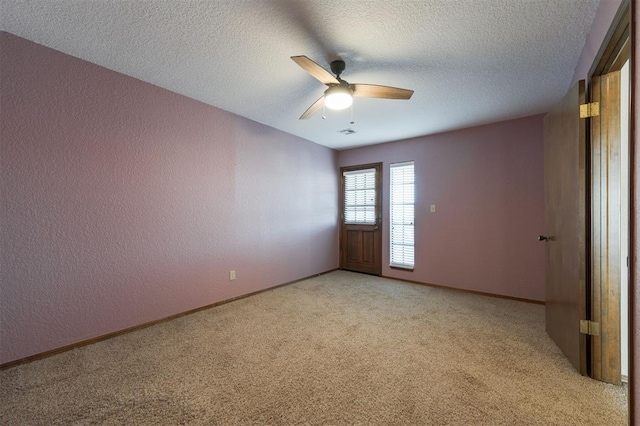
x: 543, y: 238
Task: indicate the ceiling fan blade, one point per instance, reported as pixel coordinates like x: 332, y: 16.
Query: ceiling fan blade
x: 315, y: 107
x: 315, y: 70
x: 384, y: 92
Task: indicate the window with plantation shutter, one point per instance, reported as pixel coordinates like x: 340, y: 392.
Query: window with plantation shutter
x: 402, y: 215
x: 360, y: 196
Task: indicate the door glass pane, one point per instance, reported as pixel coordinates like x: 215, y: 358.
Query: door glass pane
x: 360, y: 196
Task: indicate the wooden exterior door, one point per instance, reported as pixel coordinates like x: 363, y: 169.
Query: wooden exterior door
x: 606, y: 184
x: 360, y: 219
x: 565, y: 207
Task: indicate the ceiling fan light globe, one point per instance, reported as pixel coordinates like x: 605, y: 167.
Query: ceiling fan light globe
x: 338, y: 98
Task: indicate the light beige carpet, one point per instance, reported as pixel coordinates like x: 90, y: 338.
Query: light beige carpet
x: 341, y: 348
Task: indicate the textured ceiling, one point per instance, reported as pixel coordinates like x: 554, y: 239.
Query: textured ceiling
x: 469, y: 62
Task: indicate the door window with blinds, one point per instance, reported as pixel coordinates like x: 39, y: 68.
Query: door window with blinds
x: 360, y: 196
x: 402, y: 195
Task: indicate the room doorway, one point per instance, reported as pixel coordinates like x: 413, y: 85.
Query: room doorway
x: 610, y: 206
x: 360, y: 219
x: 609, y: 224
x: 587, y: 175
x: 625, y: 213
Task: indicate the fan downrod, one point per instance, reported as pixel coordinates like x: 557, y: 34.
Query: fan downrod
x: 337, y: 67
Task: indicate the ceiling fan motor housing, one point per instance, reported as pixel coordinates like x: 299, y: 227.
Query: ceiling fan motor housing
x: 337, y: 67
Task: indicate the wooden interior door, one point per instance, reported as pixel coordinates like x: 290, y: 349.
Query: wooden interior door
x: 565, y: 208
x: 360, y: 237
x: 606, y: 175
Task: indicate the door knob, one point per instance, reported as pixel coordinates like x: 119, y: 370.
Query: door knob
x: 543, y: 238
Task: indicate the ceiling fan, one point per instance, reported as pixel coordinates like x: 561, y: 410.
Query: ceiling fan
x: 340, y: 93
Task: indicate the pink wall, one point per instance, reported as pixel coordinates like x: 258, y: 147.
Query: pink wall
x: 122, y: 203
x: 487, y: 185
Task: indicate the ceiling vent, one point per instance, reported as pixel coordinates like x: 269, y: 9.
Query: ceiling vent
x: 347, y: 131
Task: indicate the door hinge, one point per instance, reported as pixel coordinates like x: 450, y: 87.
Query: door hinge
x: 590, y: 110
x: 591, y: 328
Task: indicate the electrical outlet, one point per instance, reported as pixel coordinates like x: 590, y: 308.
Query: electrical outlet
x: 433, y: 208
x: 232, y: 275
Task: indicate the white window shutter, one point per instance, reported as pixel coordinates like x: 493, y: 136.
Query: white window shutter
x: 402, y: 215
x: 360, y: 196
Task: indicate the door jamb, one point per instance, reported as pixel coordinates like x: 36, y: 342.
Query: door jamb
x: 615, y: 50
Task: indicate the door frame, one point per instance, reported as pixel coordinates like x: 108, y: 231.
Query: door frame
x: 615, y: 50
x: 634, y: 205
x: 606, y: 229
x: 378, y: 250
